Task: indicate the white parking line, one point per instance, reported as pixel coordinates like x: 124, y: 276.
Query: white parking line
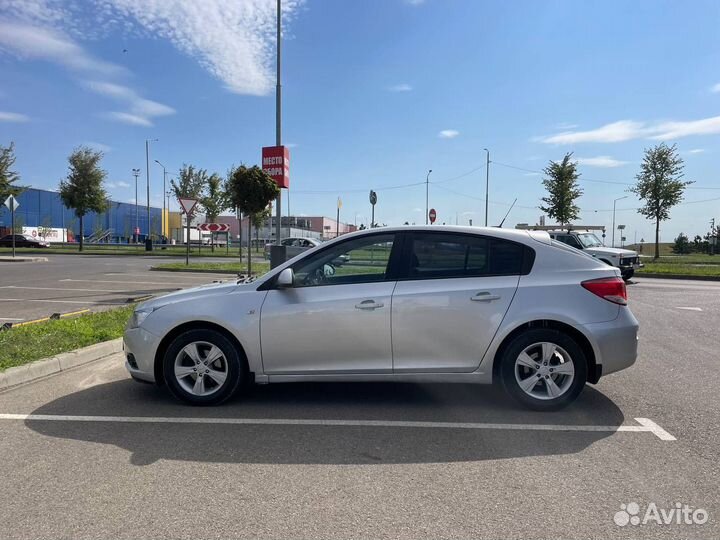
x: 123, y: 282
x: 76, y: 290
x: 646, y: 425
x: 689, y: 308
x: 9, y: 319
x: 52, y: 301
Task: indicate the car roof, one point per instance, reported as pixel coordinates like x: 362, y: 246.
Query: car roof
x: 518, y: 235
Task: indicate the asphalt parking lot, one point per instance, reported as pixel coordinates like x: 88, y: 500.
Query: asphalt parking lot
x: 68, y: 283
x: 376, y: 460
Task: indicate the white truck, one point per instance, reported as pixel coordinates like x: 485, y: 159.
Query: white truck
x: 584, y: 238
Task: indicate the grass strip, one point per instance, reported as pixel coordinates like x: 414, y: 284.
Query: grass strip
x: 24, y: 344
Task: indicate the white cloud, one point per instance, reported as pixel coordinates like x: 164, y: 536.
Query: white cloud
x: 564, y: 126
x: 233, y: 40
x: 414, y: 2
x: 696, y: 151
x: 141, y: 110
x: 715, y: 88
x: 448, y: 134
x: 128, y: 118
x: 606, y: 162
x: 676, y: 130
x: 531, y: 174
x: 115, y: 185
x: 12, y: 117
x: 34, y: 42
x: 625, y: 130
x: 98, y: 146
x: 401, y: 88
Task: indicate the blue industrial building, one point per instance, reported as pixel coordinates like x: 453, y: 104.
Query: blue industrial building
x: 41, y: 208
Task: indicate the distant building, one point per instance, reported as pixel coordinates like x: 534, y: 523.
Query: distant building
x: 290, y: 226
x: 43, y: 209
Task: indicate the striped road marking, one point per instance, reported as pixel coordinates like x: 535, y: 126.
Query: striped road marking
x: 645, y: 424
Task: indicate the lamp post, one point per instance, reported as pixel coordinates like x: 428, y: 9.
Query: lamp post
x: 278, y: 116
x: 427, y: 196
x: 162, y: 218
x: 147, y: 177
x: 136, y: 173
x: 487, y: 184
x: 613, y: 223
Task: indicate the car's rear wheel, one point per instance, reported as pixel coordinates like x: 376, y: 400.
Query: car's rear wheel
x: 202, y: 367
x: 543, y: 369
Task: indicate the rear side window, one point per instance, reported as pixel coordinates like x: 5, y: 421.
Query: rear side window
x: 441, y: 255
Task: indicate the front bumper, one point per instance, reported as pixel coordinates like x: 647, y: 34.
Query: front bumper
x: 615, y: 342
x: 140, y: 347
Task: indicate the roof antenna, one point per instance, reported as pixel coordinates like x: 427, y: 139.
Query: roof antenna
x: 508, y: 213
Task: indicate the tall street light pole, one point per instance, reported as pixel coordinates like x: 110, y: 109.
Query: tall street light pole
x: 136, y: 173
x: 613, y: 224
x: 162, y: 218
x: 278, y: 116
x: 487, y: 184
x: 147, y: 176
x: 427, y: 197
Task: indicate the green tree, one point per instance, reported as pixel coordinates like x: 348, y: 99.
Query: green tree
x: 561, y: 182
x: 660, y: 185
x: 82, y: 190
x: 190, y: 182
x: 682, y: 245
x: 251, y: 190
x: 214, y: 201
x: 8, y: 176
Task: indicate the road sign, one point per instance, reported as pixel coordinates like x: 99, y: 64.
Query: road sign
x: 373, y: 197
x: 187, y: 204
x: 432, y: 215
x: 214, y: 227
x: 276, y: 162
x: 11, y: 203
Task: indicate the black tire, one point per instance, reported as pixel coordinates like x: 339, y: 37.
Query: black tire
x: 628, y: 274
x: 232, y: 363
x: 528, y: 338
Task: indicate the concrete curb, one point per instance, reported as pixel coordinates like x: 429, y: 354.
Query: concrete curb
x: 57, y: 364
x: 22, y: 259
x: 675, y: 276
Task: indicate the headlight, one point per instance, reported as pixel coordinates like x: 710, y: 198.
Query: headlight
x: 138, y: 316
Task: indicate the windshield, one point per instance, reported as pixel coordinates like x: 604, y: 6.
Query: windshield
x: 589, y: 240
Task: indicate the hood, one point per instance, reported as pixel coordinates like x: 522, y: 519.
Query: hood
x: 196, y: 292
x: 612, y: 251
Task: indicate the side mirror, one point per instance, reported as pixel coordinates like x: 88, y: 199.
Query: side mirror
x: 285, y: 278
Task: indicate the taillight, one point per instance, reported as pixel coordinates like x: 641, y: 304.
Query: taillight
x: 611, y: 289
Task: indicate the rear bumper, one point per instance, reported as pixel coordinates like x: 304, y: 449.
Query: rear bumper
x: 615, y: 342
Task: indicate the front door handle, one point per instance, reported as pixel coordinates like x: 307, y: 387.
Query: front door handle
x: 369, y: 304
x: 485, y: 296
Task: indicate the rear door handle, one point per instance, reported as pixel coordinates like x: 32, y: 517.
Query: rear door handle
x: 485, y: 296
x: 369, y: 304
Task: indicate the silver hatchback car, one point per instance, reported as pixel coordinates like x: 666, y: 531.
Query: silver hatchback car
x: 424, y: 304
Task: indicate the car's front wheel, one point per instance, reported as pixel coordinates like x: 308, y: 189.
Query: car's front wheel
x: 543, y: 369
x: 202, y: 367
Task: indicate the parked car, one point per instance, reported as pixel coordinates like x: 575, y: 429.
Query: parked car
x: 467, y: 305
x: 22, y: 240
x: 295, y: 242
x: 625, y: 259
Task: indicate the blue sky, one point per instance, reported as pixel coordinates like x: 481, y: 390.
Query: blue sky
x: 376, y: 92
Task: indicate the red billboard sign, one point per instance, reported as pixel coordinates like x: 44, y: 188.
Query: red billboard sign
x: 276, y: 162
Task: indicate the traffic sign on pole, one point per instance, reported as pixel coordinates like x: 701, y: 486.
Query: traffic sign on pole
x: 432, y: 215
x: 214, y: 227
x: 187, y: 204
x: 12, y: 204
